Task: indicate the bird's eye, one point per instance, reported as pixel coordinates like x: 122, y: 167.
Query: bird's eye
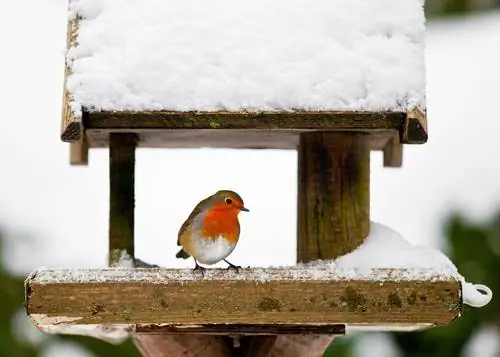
x: 228, y: 200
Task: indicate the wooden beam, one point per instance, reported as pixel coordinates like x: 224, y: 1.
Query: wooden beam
x: 278, y: 139
x: 393, y: 153
x: 71, y: 124
x: 333, y: 194
x: 291, y: 295
x: 310, y: 120
x: 415, y: 127
x: 242, y: 330
x: 121, y: 196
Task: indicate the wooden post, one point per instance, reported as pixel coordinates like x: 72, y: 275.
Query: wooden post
x: 79, y: 152
x: 393, y: 153
x: 121, y: 195
x: 333, y: 194
x: 182, y: 345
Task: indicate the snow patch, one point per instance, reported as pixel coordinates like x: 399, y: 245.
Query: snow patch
x: 124, y: 260
x: 254, y: 55
x: 385, y: 248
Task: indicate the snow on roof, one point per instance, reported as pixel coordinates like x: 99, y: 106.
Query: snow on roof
x: 254, y: 55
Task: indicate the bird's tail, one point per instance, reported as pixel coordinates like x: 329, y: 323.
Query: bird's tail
x: 182, y: 254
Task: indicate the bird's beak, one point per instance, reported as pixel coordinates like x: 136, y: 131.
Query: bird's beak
x: 244, y: 209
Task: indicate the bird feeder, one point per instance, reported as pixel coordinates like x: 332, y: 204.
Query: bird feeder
x: 333, y: 80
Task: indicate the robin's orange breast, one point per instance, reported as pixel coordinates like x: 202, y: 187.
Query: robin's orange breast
x: 221, y: 223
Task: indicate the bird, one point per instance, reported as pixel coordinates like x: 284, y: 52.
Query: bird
x: 212, y: 230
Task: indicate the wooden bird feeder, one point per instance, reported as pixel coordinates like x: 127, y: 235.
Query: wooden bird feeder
x: 137, y: 77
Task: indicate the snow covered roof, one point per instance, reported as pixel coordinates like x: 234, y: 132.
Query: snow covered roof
x: 253, y: 55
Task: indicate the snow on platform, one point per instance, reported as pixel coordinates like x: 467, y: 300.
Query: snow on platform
x: 384, y: 256
x: 253, y: 55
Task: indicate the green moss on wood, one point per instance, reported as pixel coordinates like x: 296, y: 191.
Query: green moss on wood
x: 354, y: 300
x: 127, y: 314
x: 394, y: 300
x: 412, y: 298
x: 96, y: 308
x: 269, y: 304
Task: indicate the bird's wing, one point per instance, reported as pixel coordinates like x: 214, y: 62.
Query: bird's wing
x: 196, y: 211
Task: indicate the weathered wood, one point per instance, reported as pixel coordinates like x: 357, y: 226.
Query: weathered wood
x: 393, y: 153
x: 122, y: 195
x: 415, y: 127
x: 79, y: 152
x: 300, y: 346
x: 254, y: 346
x: 242, y: 330
x: 284, y: 139
x: 333, y: 211
x: 71, y: 125
x: 182, y: 346
x: 333, y: 194
x: 290, y: 295
x: 310, y: 120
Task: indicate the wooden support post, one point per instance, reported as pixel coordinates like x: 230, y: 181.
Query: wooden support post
x: 393, y: 153
x: 79, y: 152
x: 182, y: 345
x: 333, y: 194
x: 333, y: 211
x: 121, y: 195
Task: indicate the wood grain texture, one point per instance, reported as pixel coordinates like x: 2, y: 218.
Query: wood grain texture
x: 242, y: 330
x: 182, y: 346
x: 79, y: 152
x: 121, y: 195
x: 285, y: 139
x: 322, y: 120
x: 415, y: 127
x: 71, y: 126
x: 300, y: 346
x: 333, y: 194
x: 158, y: 296
x: 393, y: 153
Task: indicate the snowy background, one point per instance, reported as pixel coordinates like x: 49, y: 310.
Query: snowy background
x: 64, y: 209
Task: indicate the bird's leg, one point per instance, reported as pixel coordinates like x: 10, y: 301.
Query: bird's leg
x: 199, y: 267
x: 232, y: 266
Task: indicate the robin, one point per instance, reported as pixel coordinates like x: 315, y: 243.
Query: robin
x: 212, y: 230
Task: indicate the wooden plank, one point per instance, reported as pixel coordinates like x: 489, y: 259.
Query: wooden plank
x: 121, y: 196
x: 310, y: 120
x: 286, y: 139
x: 290, y: 295
x: 393, y: 153
x: 333, y: 194
x: 71, y: 126
x: 242, y: 330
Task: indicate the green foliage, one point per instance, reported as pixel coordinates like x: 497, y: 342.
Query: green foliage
x: 440, y: 8
x: 11, y: 345
x: 475, y: 250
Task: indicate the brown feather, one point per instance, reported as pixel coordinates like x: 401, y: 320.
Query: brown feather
x: 196, y: 211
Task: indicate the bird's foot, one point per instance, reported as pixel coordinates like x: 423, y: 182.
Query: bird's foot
x: 232, y: 266
x: 200, y: 268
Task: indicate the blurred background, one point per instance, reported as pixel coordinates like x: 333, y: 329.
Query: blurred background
x: 447, y: 195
